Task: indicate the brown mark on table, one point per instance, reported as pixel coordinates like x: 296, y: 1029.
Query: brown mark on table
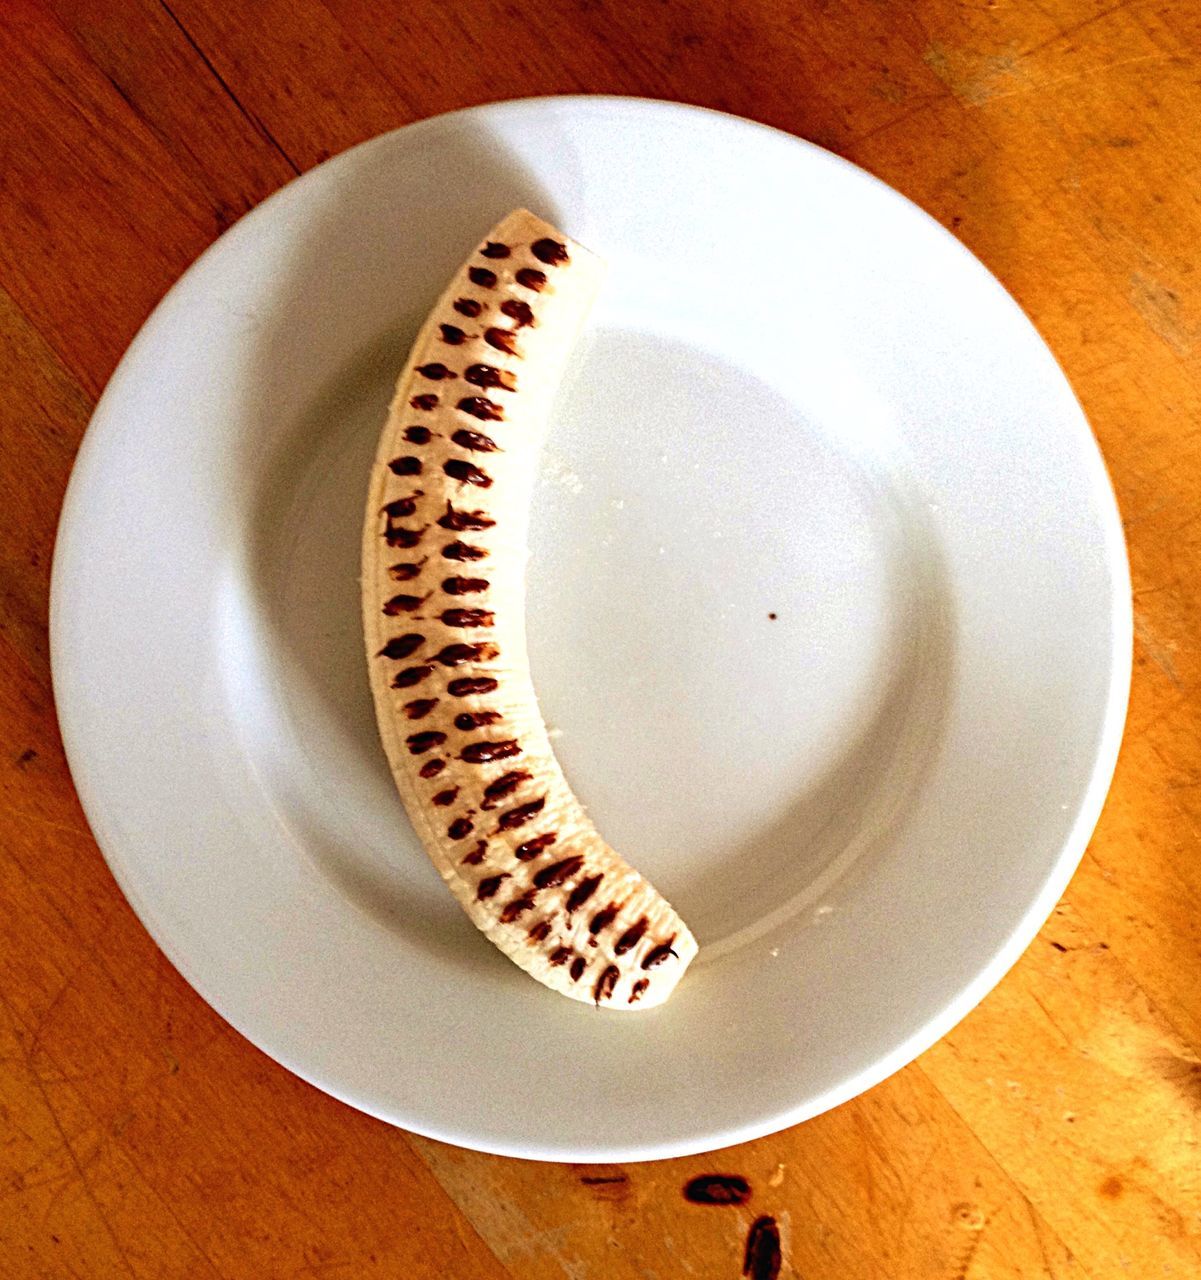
x: 606, y: 1184
x: 717, y: 1188
x: 762, y: 1259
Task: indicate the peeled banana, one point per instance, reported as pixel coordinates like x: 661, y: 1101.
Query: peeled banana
x: 444, y: 551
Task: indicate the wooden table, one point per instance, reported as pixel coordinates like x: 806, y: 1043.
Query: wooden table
x: 1055, y: 1132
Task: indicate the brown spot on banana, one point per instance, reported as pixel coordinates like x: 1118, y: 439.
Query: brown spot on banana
x: 552, y: 252
x: 558, y: 872
x: 488, y: 888
x: 475, y: 441
x: 457, y: 586
x: 606, y: 983
x: 512, y: 819
x: 582, y: 892
x: 468, y: 619
x: 403, y: 539
x: 481, y: 407
x: 486, y: 752
x: 495, y: 756
x: 476, y: 856
x: 411, y: 676
x: 468, y: 720
x: 531, y: 278
x: 517, y: 907
x: 463, y: 551
x: 402, y: 646
x: 505, y: 785
x: 460, y: 520
x: 530, y: 849
x: 472, y: 686
x: 467, y: 473
x: 631, y: 938
x: 489, y: 376
x: 659, y: 955
x: 517, y: 310
x: 455, y: 655
x: 603, y: 919
x: 503, y: 340
x: 419, y: 708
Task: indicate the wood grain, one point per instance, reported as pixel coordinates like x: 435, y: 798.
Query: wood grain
x: 1056, y: 1131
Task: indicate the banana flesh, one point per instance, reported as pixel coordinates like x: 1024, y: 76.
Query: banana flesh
x: 444, y: 550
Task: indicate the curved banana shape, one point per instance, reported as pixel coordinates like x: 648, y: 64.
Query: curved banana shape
x: 444, y: 549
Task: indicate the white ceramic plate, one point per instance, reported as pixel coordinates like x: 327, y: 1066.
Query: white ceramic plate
x: 828, y: 598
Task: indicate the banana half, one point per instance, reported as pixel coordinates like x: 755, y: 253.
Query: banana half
x: 444, y: 551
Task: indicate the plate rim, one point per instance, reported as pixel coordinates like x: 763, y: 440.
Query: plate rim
x: 1112, y: 724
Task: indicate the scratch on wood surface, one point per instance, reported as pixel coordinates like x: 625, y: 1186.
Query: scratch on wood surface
x: 50, y: 824
x: 1111, y: 230
x: 982, y: 79
x: 1062, y: 33
x: 1159, y: 306
x: 1157, y: 651
x: 43, y: 1019
x: 974, y: 79
x: 184, y: 1230
x: 253, y: 120
x: 1059, y: 1031
x: 77, y: 1171
x: 1103, y: 68
x: 19, y: 1184
x: 1050, y: 17
x: 80, y: 1172
x: 894, y: 121
x: 1036, y: 1231
x: 70, y: 1177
